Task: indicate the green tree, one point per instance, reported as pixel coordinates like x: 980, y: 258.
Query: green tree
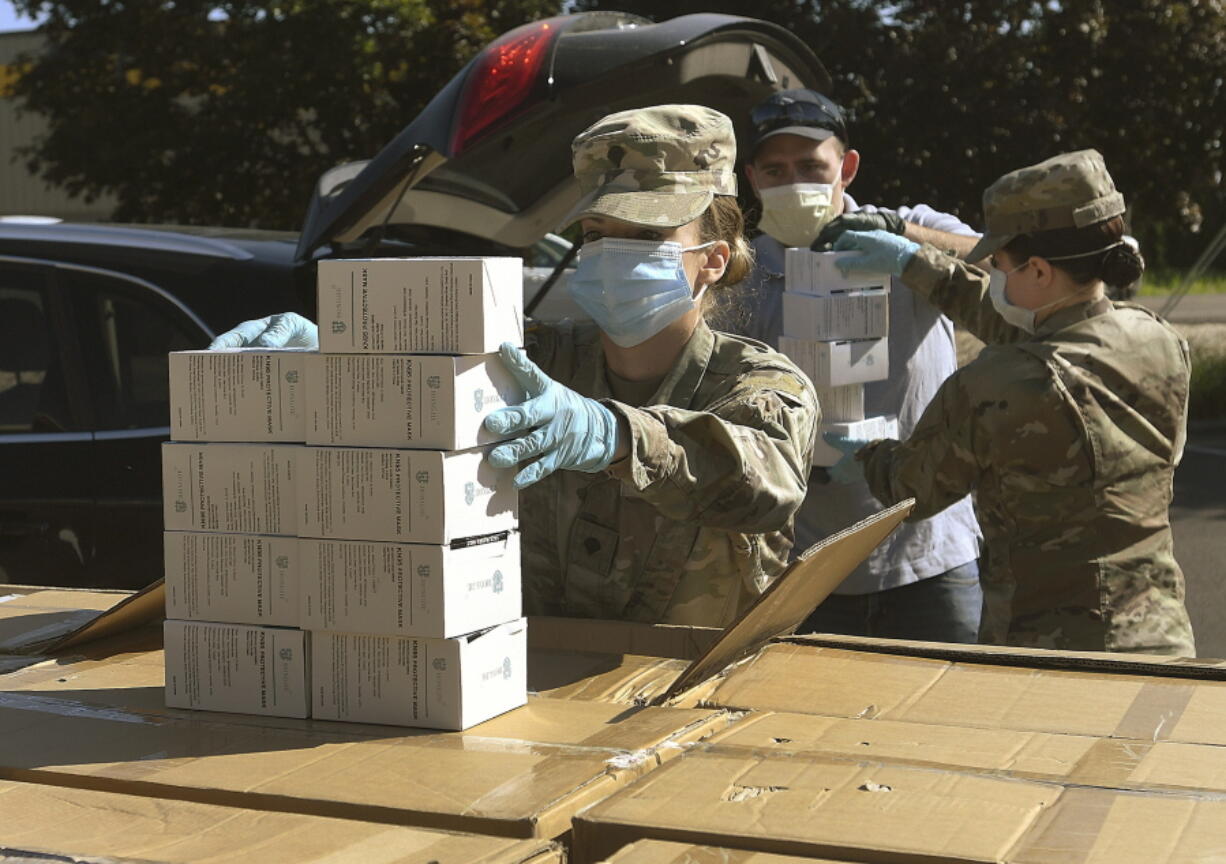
x: 946, y: 96
x: 227, y: 112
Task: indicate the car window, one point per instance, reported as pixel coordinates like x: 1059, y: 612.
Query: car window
x: 33, y: 395
x: 126, y: 332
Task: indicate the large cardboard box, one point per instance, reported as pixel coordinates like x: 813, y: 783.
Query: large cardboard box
x: 101, y: 725
x: 853, y: 315
x: 239, y: 668
x: 52, y: 823
x: 885, y: 814
x: 237, y: 578
x: 432, y: 683
x: 425, y: 401
x: 838, y: 364
x: 411, y: 496
x: 32, y: 617
x: 410, y: 589
x: 245, y: 394
x: 420, y: 305
x: 817, y: 273
x: 233, y: 488
x: 1100, y: 696
x: 1109, y: 762
x: 807, y: 805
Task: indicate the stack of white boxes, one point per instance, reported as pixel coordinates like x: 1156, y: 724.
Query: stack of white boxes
x: 835, y: 329
x: 406, y: 559
x: 230, y: 502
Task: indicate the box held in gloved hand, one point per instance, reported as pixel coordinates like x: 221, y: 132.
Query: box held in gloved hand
x: 389, y: 400
x: 808, y: 272
x: 244, y: 394
x: 838, y: 364
x: 420, y: 305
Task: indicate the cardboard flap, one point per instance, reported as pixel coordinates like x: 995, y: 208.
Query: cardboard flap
x: 146, y: 605
x: 791, y: 597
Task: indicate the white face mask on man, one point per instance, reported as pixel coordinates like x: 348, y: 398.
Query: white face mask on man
x: 796, y: 213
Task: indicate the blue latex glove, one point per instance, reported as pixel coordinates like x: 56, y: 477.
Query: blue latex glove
x: 880, y: 252
x: 848, y: 469
x: 574, y: 433
x: 284, y: 330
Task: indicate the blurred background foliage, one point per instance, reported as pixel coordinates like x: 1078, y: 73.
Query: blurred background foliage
x: 227, y: 112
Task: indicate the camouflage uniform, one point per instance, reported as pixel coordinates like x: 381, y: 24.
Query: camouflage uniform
x: 696, y: 521
x: 1069, y: 437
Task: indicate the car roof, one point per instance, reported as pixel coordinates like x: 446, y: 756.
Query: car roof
x: 232, y: 244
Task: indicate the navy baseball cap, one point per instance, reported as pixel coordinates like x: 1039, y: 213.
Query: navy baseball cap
x: 797, y: 112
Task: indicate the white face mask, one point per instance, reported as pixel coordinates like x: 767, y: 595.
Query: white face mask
x: 796, y: 213
x: 1018, y: 316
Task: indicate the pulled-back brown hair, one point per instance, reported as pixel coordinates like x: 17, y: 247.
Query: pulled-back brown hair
x: 1118, y: 266
x: 723, y: 220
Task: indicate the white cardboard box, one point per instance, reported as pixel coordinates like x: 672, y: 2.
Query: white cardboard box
x: 854, y: 315
x: 410, y: 589
x: 871, y: 429
x: 435, y: 683
x: 238, y: 668
x: 420, y: 305
x: 808, y: 272
x: 237, y: 578
x: 837, y: 364
x: 841, y: 404
x: 237, y: 395
x: 408, y: 496
x: 233, y: 488
x: 391, y: 400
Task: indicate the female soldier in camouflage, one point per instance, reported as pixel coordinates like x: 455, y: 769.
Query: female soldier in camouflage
x: 688, y: 448
x: 661, y: 462
x: 1068, y: 426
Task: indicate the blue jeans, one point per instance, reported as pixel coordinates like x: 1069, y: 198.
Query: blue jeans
x: 942, y: 608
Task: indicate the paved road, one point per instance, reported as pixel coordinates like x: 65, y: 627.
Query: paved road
x: 1192, y: 308
x: 1198, y: 517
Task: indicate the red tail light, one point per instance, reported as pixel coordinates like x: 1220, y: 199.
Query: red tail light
x: 501, y: 80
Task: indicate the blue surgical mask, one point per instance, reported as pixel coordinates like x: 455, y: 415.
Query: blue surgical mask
x: 632, y: 289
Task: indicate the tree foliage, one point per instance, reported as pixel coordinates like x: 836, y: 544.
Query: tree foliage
x: 947, y: 95
x: 226, y: 112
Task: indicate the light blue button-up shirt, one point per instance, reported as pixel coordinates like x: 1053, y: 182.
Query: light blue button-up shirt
x: 922, y: 356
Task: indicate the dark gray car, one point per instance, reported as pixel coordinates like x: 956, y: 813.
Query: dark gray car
x: 89, y: 312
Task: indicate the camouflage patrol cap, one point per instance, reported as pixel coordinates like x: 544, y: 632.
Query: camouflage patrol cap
x: 659, y: 166
x: 1071, y: 190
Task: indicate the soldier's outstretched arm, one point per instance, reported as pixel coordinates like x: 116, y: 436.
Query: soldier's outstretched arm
x: 937, y: 465
x: 960, y: 290
x: 741, y: 466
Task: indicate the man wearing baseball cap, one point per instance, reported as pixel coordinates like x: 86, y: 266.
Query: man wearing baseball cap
x: 1068, y: 426
x: 922, y: 582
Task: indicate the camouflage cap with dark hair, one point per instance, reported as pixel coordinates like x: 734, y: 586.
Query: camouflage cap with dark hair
x: 1071, y: 190
x: 659, y: 166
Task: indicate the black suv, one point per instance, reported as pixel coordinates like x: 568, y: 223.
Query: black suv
x: 89, y: 312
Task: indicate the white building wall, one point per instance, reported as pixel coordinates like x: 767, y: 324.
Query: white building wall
x: 21, y: 193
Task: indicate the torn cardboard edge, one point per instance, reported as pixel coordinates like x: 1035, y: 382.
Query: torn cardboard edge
x: 1206, y: 669
x: 789, y: 599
